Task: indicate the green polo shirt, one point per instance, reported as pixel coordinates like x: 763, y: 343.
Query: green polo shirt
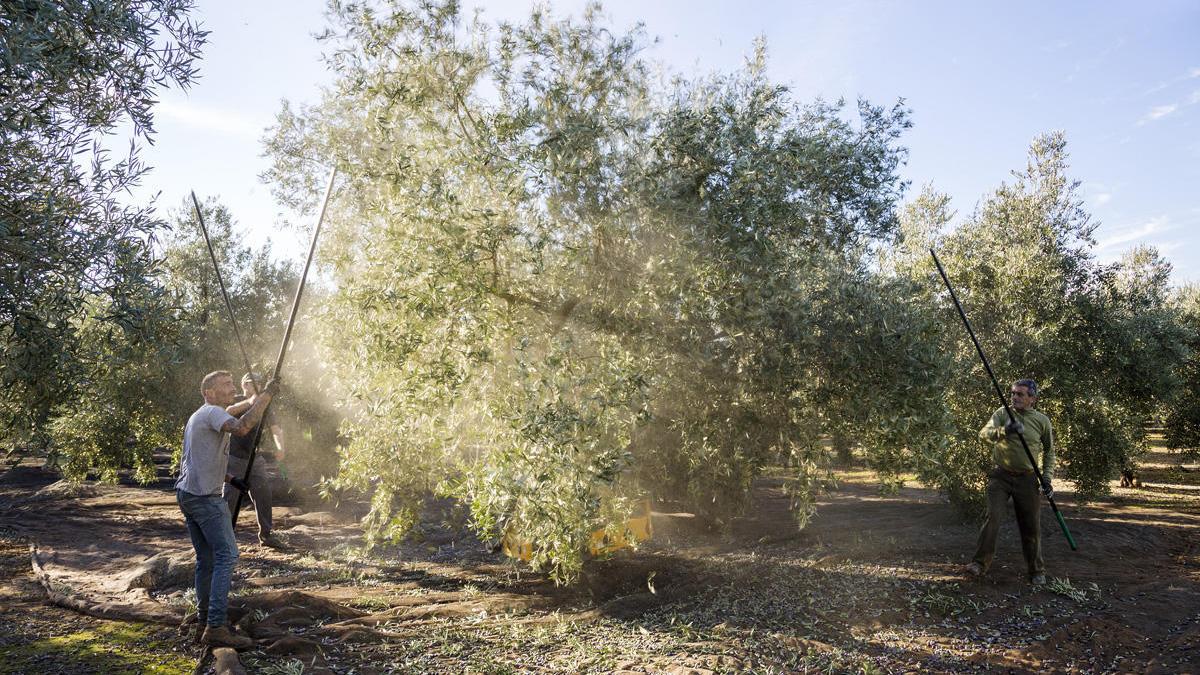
x: 1007, y: 451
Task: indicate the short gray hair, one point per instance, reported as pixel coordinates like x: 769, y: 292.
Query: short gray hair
x: 1029, y: 384
x: 210, y: 380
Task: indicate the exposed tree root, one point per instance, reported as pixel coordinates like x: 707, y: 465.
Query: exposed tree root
x: 151, y: 612
x: 203, y: 662
x: 225, y: 662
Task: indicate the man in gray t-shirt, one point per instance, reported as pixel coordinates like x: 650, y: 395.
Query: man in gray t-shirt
x: 205, y: 451
x: 202, y: 475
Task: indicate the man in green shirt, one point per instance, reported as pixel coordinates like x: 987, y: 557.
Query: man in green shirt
x: 1013, y: 477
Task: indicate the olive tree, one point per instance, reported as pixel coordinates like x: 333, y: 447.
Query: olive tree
x: 75, y: 260
x: 1098, y: 338
x: 135, y: 384
x: 1182, y: 419
x: 563, y: 284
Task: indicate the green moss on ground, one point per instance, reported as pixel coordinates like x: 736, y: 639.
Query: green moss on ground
x: 109, y: 648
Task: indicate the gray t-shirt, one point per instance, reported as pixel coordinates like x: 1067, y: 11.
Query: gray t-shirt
x: 205, y: 451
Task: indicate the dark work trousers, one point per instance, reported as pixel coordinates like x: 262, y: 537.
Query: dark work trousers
x: 260, y: 491
x: 1003, y: 485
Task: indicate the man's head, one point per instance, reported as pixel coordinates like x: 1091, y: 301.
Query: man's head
x: 218, y: 388
x: 1024, y: 394
x: 251, y: 382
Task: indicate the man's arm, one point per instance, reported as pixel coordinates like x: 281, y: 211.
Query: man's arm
x: 241, y: 406
x: 1048, y: 458
x: 246, y: 423
x: 993, y: 430
x: 277, y: 434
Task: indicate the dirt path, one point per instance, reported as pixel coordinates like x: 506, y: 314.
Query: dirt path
x: 38, y: 637
x: 872, y: 585
x: 1127, y: 601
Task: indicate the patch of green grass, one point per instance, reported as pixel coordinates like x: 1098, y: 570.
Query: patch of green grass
x: 187, y: 601
x: 336, y: 576
x: 943, y: 604
x: 373, y: 603
x: 869, y: 668
x: 115, y: 648
x: 1063, y: 586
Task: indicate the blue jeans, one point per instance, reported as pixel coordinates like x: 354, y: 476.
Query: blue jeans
x: 211, y: 529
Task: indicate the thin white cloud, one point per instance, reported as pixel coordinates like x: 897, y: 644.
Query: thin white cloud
x: 1156, y: 225
x: 1191, y: 74
x: 227, y: 122
x: 1103, y: 198
x: 1157, y: 113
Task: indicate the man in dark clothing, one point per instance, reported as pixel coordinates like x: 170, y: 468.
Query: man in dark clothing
x: 260, y: 482
x: 1014, y: 478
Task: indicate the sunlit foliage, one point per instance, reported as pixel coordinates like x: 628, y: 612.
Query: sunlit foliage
x: 564, y: 284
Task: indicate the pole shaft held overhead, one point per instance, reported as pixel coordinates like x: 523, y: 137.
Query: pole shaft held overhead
x: 221, y: 281
x: 287, y: 335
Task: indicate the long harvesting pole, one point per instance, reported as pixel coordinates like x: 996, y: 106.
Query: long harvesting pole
x: 224, y: 294
x: 287, y: 336
x: 1000, y: 393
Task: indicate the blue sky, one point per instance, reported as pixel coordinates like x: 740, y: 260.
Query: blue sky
x: 1122, y: 79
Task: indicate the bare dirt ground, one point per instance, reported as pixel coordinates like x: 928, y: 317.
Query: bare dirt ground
x: 873, y: 585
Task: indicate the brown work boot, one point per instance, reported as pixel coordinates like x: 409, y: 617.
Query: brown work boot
x: 219, y: 636
x: 974, y: 569
x: 271, y: 540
